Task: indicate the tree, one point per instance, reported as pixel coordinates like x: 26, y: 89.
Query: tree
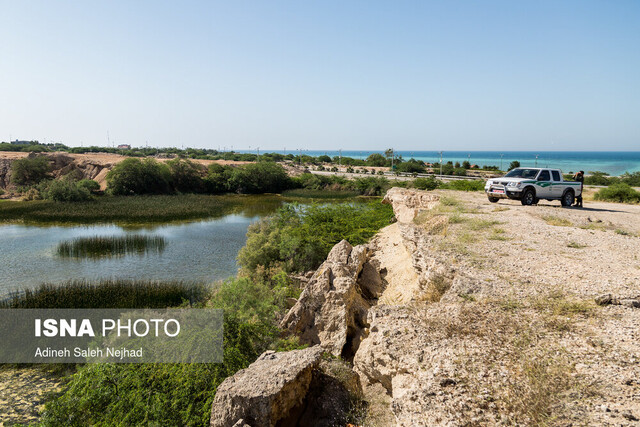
x: 259, y: 178
x: 514, y: 164
x: 466, y: 164
x: 186, y: 176
x: 135, y: 176
x: 412, y: 166
x: 457, y: 165
x: 324, y: 158
x: 217, y: 180
x: 376, y: 159
x: 30, y: 170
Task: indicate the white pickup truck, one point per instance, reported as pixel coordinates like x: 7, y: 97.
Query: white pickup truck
x: 529, y: 185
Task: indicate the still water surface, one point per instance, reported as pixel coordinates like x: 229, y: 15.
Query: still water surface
x: 196, y: 251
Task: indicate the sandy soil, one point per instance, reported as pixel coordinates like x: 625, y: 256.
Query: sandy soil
x: 22, y: 394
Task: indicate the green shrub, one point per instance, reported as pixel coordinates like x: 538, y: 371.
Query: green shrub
x: 632, y: 179
x: 411, y: 166
x: 255, y: 178
x: 30, y: 170
x: 597, y: 178
x: 463, y: 185
x: 134, y: 176
x: 64, y: 190
x: 371, y: 186
x: 429, y: 183
x: 621, y: 193
x: 89, y: 184
x: 217, y: 178
x: 299, y: 238
x: 186, y: 176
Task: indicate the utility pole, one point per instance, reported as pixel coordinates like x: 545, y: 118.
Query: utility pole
x: 340, y: 157
x: 258, y: 150
x: 536, y: 160
x: 392, y: 156
x: 441, y: 163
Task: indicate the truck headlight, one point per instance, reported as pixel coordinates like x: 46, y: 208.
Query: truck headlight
x: 514, y: 184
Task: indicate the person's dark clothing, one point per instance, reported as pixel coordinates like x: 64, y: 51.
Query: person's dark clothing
x: 580, y: 178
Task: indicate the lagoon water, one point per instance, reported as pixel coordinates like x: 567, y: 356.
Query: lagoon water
x: 196, y: 251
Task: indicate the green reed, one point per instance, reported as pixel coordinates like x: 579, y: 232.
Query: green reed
x: 109, y: 294
x: 107, y: 246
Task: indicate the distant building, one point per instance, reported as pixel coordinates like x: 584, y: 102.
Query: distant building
x: 16, y: 142
x: 474, y: 167
x: 124, y: 147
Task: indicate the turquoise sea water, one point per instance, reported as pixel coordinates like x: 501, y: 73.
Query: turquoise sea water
x: 611, y: 162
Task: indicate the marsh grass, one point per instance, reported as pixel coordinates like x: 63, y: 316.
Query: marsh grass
x: 109, y: 294
x: 304, y: 193
x: 108, y: 246
x: 137, y: 209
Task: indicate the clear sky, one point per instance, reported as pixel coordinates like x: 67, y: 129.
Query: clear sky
x: 413, y: 75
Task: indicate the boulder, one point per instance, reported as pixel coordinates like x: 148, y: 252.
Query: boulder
x: 267, y: 391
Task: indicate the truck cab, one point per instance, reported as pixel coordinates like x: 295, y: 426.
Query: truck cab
x: 529, y: 185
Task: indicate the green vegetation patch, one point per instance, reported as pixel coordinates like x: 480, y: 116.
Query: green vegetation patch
x: 299, y: 238
x: 175, y: 394
x: 106, y: 246
x: 620, y: 193
x: 463, y: 185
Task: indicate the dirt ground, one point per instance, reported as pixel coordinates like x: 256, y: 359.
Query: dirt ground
x: 544, y: 252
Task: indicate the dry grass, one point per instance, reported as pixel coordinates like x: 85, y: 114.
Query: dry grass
x: 527, y: 376
x: 557, y: 221
x: 438, y: 285
x: 576, y: 245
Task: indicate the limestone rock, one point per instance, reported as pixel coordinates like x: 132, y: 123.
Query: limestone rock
x: 332, y: 309
x: 267, y: 390
x: 407, y: 203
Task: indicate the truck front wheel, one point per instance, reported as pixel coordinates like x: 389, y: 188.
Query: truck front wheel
x: 528, y: 197
x: 493, y: 199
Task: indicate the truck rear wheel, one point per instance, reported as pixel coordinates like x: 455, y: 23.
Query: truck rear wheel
x: 528, y: 197
x: 567, y: 199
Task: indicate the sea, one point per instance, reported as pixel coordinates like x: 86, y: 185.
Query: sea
x: 612, y: 162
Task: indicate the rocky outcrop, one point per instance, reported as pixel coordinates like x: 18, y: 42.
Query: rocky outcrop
x: 294, y: 388
x: 62, y: 164
x: 267, y: 391
x: 407, y: 203
x: 332, y: 309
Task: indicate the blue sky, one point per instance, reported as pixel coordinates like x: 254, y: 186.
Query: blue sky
x: 414, y: 75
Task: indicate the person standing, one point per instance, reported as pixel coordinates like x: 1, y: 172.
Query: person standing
x: 580, y: 178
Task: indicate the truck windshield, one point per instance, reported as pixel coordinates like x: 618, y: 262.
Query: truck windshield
x: 522, y: 173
